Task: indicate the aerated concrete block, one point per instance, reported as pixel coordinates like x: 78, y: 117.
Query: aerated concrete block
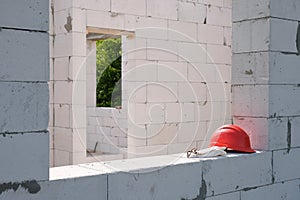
x: 162, y: 183
x: 24, y: 107
x: 162, y: 9
x: 286, y: 165
x: 235, y: 173
x: 24, y: 55
x: 246, y: 10
x: 285, y: 190
x: 30, y: 14
x: 25, y: 157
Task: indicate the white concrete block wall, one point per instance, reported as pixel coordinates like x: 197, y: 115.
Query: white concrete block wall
x: 179, y: 41
x: 68, y: 83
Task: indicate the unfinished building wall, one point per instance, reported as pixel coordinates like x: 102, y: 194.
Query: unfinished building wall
x: 175, y: 76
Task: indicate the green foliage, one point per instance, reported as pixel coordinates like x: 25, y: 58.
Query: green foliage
x: 109, y: 61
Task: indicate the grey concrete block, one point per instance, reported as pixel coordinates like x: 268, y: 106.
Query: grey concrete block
x: 174, y: 182
x: 284, y: 68
x: 238, y: 172
x: 24, y: 157
x: 24, y: 107
x: 288, y: 9
x: 286, y: 164
x: 245, y: 9
x: 24, y: 55
x: 26, y: 14
x: 286, y: 190
x: 284, y: 100
x: 89, y: 187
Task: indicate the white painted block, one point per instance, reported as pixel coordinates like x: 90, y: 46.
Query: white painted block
x: 63, y: 21
x: 142, y: 72
x: 167, y: 9
x: 180, y: 147
x: 285, y: 164
x: 218, y: 54
x: 127, y: 7
x: 63, y: 45
x: 153, y: 185
x: 134, y: 48
x: 192, y: 52
x: 162, y: 50
x: 286, y: 41
x: 147, y: 27
x: 236, y: 172
x: 63, y: 92
x: 191, y: 12
x: 245, y: 10
x: 173, y: 112
x: 257, y: 129
x: 187, y: 132
x: 162, y: 92
x: 159, y: 134
x: 284, y: 190
x: 182, y: 31
x: 30, y: 14
x: 78, y: 116
x: 200, y: 90
x: 79, y: 20
x: 155, y: 113
x: 223, y: 73
x: 134, y: 92
x: 210, y: 34
x: 105, y: 19
x: 63, y: 138
x: 227, y: 36
x: 78, y: 90
x: 25, y: 157
x: 172, y: 71
x: 136, y: 135
x: 62, y: 115
x: 79, y: 44
x: 101, y: 5
x: 219, y: 16
x: 122, y: 142
x: 61, y: 158
x: 188, y: 112
x: 78, y: 70
x: 61, y: 68
x: 24, y: 107
x: 187, y: 92
x: 218, y: 92
x: 227, y: 3
x: 79, y: 140
x: 24, y: 55
x: 212, y: 2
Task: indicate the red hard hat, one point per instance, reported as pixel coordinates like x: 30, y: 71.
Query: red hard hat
x: 233, y: 137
